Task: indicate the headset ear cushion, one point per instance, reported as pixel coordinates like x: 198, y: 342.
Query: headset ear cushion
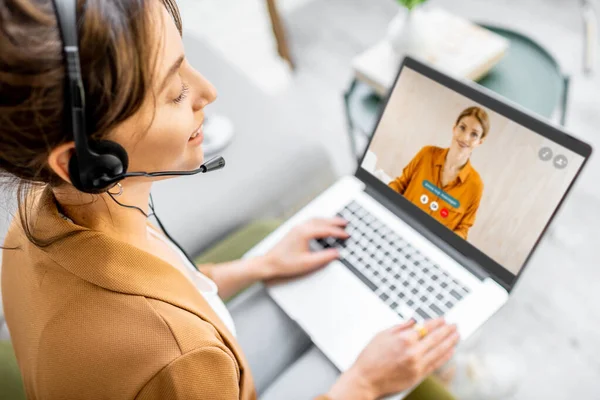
x: 108, y: 147
x: 110, y: 157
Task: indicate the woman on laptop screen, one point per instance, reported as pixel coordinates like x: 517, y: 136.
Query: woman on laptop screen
x: 442, y: 182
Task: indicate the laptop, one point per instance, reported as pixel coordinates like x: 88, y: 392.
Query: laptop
x: 424, y: 245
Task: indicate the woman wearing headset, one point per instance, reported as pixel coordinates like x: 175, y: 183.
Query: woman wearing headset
x: 99, y: 304
x: 449, y: 171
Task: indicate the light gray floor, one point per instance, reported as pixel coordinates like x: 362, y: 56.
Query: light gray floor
x: 551, y: 325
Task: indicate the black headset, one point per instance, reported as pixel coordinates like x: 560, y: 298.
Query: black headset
x: 97, y: 165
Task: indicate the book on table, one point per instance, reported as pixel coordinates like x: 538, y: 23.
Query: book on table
x: 455, y: 45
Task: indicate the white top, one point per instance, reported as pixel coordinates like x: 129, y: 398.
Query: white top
x: 206, y: 286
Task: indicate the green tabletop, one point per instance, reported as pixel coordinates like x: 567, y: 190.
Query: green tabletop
x: 527, y: 75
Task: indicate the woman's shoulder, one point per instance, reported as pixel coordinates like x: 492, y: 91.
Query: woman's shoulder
x: 430, y: 152
x: 114, y: 328
x: 475, y: 180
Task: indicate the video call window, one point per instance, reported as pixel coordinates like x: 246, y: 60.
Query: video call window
x: 488, y: 179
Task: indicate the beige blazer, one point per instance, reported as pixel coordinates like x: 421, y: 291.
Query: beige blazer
x: 92, y: 317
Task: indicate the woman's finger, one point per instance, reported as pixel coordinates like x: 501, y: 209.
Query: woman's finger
x: 440, y: 362
x: 434, y: 356
x: 436, y: 336
x: 335, y: 221
x: 319, y: 231
x: 320, y: 258
x: 403, y: 326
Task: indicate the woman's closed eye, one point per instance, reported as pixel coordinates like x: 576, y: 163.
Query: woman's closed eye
x: 184, y: 92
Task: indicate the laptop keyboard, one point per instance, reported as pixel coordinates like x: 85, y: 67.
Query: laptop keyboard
x: 397, y: 272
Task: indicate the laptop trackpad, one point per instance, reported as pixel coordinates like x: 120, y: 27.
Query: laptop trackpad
x: 339, y: 312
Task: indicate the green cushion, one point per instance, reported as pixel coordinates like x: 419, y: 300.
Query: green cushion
x: 430, y: 389
x: 238, y: 243
x: 11, y: 385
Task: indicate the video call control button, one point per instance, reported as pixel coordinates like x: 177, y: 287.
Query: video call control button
x: 434, y: 206
x: 444, y: 213
x: 441, y: 194
x: 560, y: 162
x: 424, y: 199
x: 545, y: 154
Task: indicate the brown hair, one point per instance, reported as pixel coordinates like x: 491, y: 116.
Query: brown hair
x: 117, y: 65
x: 480, y: 114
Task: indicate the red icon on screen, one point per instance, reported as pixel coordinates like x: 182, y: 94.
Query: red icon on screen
x: 444, y: 212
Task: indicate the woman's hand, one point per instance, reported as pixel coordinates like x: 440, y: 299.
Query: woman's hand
x: 292, y: 256
x: 396, y: 360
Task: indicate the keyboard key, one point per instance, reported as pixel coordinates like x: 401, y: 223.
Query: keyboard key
x: 422, y: 313
x: 436, y: 310
x: 380, y: 257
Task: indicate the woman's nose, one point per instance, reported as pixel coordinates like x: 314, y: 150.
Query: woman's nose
x: 207, y: 93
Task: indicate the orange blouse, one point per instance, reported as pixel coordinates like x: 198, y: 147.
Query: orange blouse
x: 454, y: 205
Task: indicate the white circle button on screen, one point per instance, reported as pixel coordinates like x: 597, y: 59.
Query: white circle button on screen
x: 434, y: 206
x: 560, y: 162
x: 424, y: 199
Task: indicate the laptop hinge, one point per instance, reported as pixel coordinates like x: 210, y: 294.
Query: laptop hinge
x: 467, y: 262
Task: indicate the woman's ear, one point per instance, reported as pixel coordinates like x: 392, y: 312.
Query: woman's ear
x: 59, y: 158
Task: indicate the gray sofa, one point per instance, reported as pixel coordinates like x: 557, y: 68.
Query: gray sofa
x: 271, y: 171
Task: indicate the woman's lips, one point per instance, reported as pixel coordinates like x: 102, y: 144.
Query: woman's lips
x: 463, y: 145
x: 197, y: 137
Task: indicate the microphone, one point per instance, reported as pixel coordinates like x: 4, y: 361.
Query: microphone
x: 209, y: 166
x: 213, y: 165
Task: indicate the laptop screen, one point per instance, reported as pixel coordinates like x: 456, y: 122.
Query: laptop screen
x: 483, y: 176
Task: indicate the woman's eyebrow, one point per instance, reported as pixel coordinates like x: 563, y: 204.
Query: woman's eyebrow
x: 174, y: 68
